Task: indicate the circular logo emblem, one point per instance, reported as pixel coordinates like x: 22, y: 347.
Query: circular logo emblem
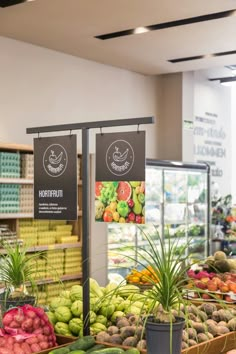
x: 120, y: 157
x: 55, y: 160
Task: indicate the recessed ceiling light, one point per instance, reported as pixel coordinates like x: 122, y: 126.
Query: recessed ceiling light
x: 140, y: 30
x: 229, y: 83
x: 7, y: 3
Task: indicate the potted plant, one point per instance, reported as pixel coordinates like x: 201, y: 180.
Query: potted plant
x: 167, y: 259
x: 18, y: 269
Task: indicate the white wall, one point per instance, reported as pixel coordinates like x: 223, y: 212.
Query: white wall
x: 42, y: 87
x: 212, y: 129
x: 233, y: 129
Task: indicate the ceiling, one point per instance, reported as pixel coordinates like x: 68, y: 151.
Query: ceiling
x: 70, y: 26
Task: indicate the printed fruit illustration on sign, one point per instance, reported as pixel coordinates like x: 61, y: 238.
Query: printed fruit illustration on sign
x: 122, y: 202
x: 98, y: 187
x: 124, y: 191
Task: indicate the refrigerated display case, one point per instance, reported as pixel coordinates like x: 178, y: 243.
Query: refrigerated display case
x: 177, y: 205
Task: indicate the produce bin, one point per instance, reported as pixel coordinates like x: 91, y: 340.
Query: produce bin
x: 218, y: 345
x: 61, y: 341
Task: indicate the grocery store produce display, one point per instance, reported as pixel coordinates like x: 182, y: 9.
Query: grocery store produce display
x: 117, y: 316
x: 216, y: 280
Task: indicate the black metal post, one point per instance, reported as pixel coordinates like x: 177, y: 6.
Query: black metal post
x: 86, y: 233
x: 85, y: 194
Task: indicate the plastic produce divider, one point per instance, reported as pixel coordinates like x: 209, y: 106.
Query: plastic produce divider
x: 85, y: 195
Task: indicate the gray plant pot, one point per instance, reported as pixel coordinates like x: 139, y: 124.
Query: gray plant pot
x: 7, y: 304
x: 158, y: 336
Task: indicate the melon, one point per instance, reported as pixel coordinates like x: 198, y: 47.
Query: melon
x: 219, y: 255
x: 124, y: 191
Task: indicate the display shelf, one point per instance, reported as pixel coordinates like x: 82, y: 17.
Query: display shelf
x: 177, y: 202
x: 60, y: 278
x: 56, y: 246
x: 9, y: 180
x: 16, y: 216
x: 23, y: 162
x: 23, y: 215
x: 16, y: 180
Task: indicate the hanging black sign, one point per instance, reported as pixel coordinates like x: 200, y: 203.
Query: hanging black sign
x: 55, y: 178
x: 120, y: 156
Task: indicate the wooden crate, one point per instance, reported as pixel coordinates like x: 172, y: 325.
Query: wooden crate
x: 218, y: 345
x: 62, y: 341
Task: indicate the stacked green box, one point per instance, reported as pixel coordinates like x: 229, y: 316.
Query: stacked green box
x: 9, y: 165
x: 9, y: 198
x: 73, y: 261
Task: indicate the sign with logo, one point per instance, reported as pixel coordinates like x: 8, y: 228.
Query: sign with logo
x: 120, y: 156
x: 120, y: 177
x: 55, y: 178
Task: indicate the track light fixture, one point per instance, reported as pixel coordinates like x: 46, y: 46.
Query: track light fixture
x: 6, y: 3
x: 226, y: 81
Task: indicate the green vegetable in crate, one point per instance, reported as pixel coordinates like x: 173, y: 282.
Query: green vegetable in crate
x: 51, y: 316
x: 64, y: 350
x: 77, y: 351
x: 92, y: 315
x: 95, y: 347
x: 75, y: 325
x: 110, y: 288
x: 83, y: 343
x: 113, y: 350
x: 97, y: 327
x: 116, y: 315
x: 77, y: 308
x: 65, y: 294
x: 123, y: 208
x: 62, y: 328
x: 107, y: 310
x: 132, y: 351
x: 95, y: 289
x: 59, y: 301
x: 95, y: 304
x: 76, y: 293
x: 101, y: 319
x: 127, y: 290
x: 63, y: 314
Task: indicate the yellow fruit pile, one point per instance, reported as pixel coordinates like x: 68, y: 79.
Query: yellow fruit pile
x: 144, y: 276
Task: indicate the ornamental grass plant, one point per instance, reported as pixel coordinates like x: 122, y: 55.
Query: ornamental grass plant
x: 18, y: 269
x: 168, y: 262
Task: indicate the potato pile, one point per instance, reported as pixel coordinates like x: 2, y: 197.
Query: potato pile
x: 205, y: 322
x: 128, y: 331
x: 202, y: 323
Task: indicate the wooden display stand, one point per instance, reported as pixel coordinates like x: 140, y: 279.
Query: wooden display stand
x: 218, y: 345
